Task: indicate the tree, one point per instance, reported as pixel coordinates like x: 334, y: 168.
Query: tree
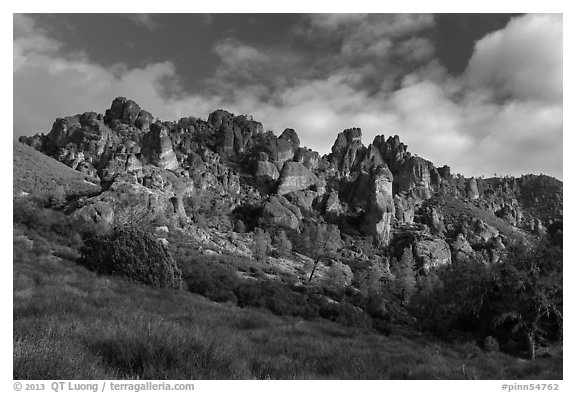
x: 528, y: 289
x: 283, y: 243
x: 405, y: 282
x: 260, y: 244
x: 320, y: 241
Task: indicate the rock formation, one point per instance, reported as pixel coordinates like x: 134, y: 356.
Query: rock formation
x: 154, y: 169
x: 295, y: 177
x: 157, y: 148
x: 278, y: 211
x: 380, y: 211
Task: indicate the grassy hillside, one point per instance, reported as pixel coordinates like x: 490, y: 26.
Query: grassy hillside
x: 71, y: 324
x: 36, y: 173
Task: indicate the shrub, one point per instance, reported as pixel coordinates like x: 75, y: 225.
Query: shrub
x: 346, y: 314
x: 276, y: 297
x: 132, y: 253
x: 211, y: 279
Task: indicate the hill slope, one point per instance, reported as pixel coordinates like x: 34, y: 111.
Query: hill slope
x: 36, y: 173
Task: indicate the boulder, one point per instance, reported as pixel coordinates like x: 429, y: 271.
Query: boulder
x: 265, y: 171
x: 431, y: 253
x: 290, y: 136
x: 157, y: 148
x: 99, y: 212
x: 278, y: 211
x: 462, y: 251
x: 472, y: 189
x: 295, y: 177
x: 303, y: 199
x: 478, y: 232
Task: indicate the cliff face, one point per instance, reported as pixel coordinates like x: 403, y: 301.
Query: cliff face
x: 381, y: 190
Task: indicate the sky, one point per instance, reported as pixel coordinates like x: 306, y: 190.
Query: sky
x: 481, y: 93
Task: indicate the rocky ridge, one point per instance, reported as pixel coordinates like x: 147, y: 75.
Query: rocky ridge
x: 154, y: 170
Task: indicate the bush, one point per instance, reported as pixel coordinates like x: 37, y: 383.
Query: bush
x: 346, y: 314
x: 212, y: 280
x: 276, y: 297
x: 132, y: 253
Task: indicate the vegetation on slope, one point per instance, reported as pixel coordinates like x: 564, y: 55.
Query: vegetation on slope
x: 70, y: 323
x: 34, y: 172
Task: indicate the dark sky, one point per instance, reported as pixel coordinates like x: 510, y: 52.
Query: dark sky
x: 186, y: 39
x: 460, y: 89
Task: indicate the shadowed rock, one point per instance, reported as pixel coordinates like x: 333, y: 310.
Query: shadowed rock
x: 295, y: 177
x: 380, y: 210
x: 278, y: 211
x: 157, y: 148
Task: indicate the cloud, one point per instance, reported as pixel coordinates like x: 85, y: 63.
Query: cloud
x: 147, y: 21
x: 364, y: 35
x: 50, y: 83
x: 240, y: 62
x: 503, y: 115
x: 522, y: 61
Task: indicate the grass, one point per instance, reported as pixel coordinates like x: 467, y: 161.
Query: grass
x: 34, y: 172
x: 72, y: 324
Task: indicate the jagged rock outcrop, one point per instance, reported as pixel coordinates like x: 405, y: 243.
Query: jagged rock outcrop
x: 472, y: 189
x: 127, y: 201
x: 462, y: 251
x: 380, y: 211
x: 511, y: 213
x: 290, y: 136
x: 345, y: 150
x: 478, y: 232
x: 233, y: 167
x: 357, y: 192
x: 295, y: 177
x: 433, y: 219
x: 431, y: 253
x: 331, y: 203
x: 264, y: 170
x: 157, y: 148
x: 234, y: 134
x: 309, y: 158
x: 128, y: 112
x: 278, y: 211
x: 303, y: 199
x: 415, y: 176
x: 405, y: 207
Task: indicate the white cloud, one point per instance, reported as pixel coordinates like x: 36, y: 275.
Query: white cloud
x: 145, y: 20
x: 364, y: 35
x: 239, y: 61
x: 453, y: 121
x: 523, y: 60
x: 49, y: 84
